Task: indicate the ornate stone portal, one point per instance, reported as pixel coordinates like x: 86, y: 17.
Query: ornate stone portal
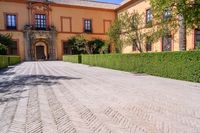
x: 33, y: 36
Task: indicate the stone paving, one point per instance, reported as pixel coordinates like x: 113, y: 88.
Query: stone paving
x: 59, y: 97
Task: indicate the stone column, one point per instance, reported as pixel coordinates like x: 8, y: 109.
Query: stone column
x: 27, y: 45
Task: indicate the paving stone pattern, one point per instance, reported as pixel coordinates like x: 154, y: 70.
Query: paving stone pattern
x: 60, y: 97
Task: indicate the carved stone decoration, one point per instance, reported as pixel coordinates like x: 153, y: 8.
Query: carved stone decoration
x: 34, y: 36
x: 39, y: 8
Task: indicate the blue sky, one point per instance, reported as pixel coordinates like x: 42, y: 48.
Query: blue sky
x: 111, y: 1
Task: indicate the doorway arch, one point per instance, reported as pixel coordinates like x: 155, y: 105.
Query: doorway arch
x: 41, y: 51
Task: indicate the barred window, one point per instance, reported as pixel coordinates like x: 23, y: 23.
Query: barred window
x: 167, y: 43
x: 87, y: 25
x: 148, y: 45
x: 167, y: 14
x: 40, y: 21
x: 149, y: 16
x: 197, y: 38
x: 11, y: 21
x: 12, y: 49
x: 67, y: 50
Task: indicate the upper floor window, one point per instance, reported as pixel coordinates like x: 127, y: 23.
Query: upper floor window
x: 40, y: 21
x: 197, y: 38
x: 87, y: 25
x: 167, y: 14
x: 149, y: 16
x: 11, y: 21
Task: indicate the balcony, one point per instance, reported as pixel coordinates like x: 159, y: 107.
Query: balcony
x: 33, y: 27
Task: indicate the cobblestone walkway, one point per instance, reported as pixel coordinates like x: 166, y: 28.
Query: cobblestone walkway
x: 59, y: 97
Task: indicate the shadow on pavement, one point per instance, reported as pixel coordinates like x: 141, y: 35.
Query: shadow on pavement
x: 8, y: 89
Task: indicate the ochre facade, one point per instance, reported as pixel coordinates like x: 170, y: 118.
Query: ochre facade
x: 64, y: 20
x: 141, y: 6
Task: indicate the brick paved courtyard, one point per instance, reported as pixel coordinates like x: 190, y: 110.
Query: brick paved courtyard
x: 59, y: 97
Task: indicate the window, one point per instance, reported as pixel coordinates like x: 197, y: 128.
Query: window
x: 87, y: 25
x: 197, y: 38
x: 12, y: 49
x: 149, y: 16
x: 40, y: 22
x: 148, y: 45
x: 167, y: 43
x: 11, y: 21
x: 134, y: 45
x: 66, y: 48
x: 167, y: 14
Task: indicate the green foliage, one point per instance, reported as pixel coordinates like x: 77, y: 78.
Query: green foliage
x: 184, y: 15
x: 3, y: 49
x: 6, y: 39
x: 3, y: 61
x: 12, y: 60
x: 72, y: 58
x: 96, y: 46
x: 79, y: 45
x: 129, y: 29
x: 197, y: 46
x: 6, y: 61
x: 188, y: 9
x: 114, y: 34
x: 176, y: 65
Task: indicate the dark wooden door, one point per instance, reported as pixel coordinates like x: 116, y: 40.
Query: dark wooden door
x: 40, y: 52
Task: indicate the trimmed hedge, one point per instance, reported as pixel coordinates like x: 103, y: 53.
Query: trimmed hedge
x: 6, y: 61
x: 176, y: 65
x: 12, y: 60
x: 72, y: 58
x: 3, y: 61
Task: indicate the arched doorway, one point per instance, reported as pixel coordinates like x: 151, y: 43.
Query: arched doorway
x: 41, y: 51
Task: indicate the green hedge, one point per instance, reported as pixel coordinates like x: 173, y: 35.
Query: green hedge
x: 3, y: 61
x: 72, y: 58
x: 12, y: 60
x: 176, y: 65
x: 6, y: 61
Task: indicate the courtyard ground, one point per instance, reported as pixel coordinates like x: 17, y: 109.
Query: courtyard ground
x: 59, y: 97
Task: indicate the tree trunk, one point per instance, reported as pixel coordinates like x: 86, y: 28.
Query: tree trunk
x: 182, y: 34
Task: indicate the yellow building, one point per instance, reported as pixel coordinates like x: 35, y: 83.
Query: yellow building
x: 41, y: 28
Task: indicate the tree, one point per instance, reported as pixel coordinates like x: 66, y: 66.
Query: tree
x: 184, y: 15
x: 129, y: 29
x: 6, y: 39
x: 3, y: 49
x: 95, y: 46
x: 79, y: 45
x: 114, y: 34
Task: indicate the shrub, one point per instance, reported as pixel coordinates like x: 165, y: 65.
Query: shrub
x: 72, y: 58
x: 79, y: 45
x: 12, y: 60
x: 3, y: 61
x: 176, y: 65
x: 6, y: 39
x: 3, y: 49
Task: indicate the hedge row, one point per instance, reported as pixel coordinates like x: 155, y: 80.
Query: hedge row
x: 5, y: 61
x: 72, y: 58
x: 176, y: 65
x: 12, y: 60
